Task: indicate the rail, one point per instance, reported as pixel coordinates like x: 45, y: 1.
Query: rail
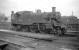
x: 28, y: 34
x: 21, y: 38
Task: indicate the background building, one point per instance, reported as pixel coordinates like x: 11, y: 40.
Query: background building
x: 72, y: 22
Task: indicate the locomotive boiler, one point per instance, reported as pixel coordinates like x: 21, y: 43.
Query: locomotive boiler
x: 28, y: 21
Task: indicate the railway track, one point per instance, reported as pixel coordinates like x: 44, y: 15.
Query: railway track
x: 30, y: 35
x: 22, y: 40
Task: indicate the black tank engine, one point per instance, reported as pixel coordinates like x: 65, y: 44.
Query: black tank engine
x: 28, y: 21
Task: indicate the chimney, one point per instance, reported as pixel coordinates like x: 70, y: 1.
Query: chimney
x: 12, y: 12
x: 53, y: 9
x: 38, y: 11
x: 12, y: 15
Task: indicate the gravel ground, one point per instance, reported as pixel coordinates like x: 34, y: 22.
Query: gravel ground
x: 62, y: 43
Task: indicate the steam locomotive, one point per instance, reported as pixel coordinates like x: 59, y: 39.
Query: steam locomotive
x: 28, y: 21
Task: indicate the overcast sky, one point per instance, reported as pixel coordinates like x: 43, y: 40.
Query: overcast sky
x: 64, y: 6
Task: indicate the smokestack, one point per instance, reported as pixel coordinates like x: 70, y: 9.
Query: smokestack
x: 12, y: 12
x: 53, y: 9
x: 38, y: 11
